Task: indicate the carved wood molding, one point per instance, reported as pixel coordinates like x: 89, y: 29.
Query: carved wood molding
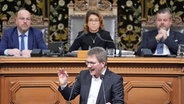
x: 153, y: 87
x: 149, y: 66
x: 122, y: 69
x: 16, y: 90
x: 40, y: 68
x: 159, y: 80
x: 146, y: 69
x: 80, y: 7
x: 35, y: 20
x: 150, y: 22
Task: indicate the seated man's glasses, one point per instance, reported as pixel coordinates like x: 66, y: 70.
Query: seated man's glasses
x: 23, y: 19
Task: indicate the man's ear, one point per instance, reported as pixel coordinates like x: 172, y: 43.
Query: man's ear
x: 103, y: 64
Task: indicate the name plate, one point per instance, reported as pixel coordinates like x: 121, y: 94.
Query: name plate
x: 82, y: 53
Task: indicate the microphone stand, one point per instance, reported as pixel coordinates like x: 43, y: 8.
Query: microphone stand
x: 62, y: 49
x: 71, y: 93
x: 119, y: 50
x: 98, y: 35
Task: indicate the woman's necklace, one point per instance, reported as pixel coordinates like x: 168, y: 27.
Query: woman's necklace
x: 93, y: 38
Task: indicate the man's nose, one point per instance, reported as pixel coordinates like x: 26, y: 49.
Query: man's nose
x: 89, y: 65
x: 25, y: 20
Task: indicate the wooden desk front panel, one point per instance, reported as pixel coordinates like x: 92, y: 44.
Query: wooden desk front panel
x: 29, y: 81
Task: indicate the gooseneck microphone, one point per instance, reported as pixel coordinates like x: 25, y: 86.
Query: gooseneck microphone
x: 104, y: 39
x: 71, y: 93
x: 98, y: 35
x: 73, y: 40
x: 82, y: 34
x: 103, y: 89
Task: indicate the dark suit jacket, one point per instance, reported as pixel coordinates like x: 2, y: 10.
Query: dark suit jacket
x: 113, y: 86
x: 85, y: 40
x: 10, y: 40
x: 149, y: 41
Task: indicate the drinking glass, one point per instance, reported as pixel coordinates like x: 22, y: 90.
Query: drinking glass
x: 111, y: 52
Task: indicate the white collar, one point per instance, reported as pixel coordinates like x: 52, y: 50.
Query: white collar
x: 19, y: 33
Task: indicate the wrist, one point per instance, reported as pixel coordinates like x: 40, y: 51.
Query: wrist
x: 63, y: 86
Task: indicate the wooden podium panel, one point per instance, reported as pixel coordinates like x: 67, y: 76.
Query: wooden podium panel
x: 146, y: 80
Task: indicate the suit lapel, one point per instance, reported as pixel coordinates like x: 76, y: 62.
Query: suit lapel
x: 30, y: 40
x: 171, y: 34
x: 15, y: 39
x: 100, y: 98
x: 88, y: 83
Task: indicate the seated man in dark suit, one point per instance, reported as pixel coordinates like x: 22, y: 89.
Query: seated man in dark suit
x: 22, y: 39
x: 163, y: 40
x: 93, y: 34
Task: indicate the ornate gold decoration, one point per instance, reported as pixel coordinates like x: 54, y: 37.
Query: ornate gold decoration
x: 104, y: 5
x: 81, y: 6
x: 177, y: 21
x: 35, y: 20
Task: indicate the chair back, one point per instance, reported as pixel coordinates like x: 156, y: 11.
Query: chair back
x: 77, y: 12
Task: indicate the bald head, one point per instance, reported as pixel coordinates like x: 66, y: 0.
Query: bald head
x: 23, y: 20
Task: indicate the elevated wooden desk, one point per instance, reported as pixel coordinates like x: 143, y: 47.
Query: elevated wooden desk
x: 146, y: 80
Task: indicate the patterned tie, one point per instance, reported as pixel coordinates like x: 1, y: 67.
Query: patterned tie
x: 22, y: 42
x: 160, y: 47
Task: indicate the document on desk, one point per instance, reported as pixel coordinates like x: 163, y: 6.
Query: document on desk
x: 125, y: 53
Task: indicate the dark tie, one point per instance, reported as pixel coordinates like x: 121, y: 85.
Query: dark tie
x: 160, y: 47
x: 22, y: 42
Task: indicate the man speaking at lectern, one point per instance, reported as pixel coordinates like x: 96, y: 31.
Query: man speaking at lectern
x: 97, y: 84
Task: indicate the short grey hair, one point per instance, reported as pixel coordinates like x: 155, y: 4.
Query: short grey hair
x: 165, y: 10
x: 99, y: 52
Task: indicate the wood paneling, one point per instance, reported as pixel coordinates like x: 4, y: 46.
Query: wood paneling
x: 146, y: 80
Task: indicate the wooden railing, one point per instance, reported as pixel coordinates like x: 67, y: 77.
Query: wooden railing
x: 155, y: 80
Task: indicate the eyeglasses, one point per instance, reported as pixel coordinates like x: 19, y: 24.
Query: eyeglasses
x: 95, y: 21
x: 90, y: 63
x: 23, y: 19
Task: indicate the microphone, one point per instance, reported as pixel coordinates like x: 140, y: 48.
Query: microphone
x: 71, y: 93
x: 75, y: 39
x: 98, y: 35
x: 62, y: 49
x: 81, y: 35
x: 103, y: 89
x: 104, y: 39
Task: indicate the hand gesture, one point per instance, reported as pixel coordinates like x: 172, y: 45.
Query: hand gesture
x: 162, y: 35
x: 63, y: 77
